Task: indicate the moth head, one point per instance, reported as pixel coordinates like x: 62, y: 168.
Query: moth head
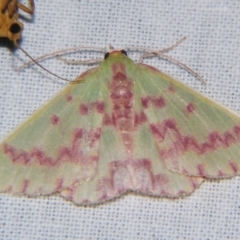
x: 115, y: 52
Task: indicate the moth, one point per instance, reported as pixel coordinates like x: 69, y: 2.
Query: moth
x: 10, y: 27
x: 125, y: 127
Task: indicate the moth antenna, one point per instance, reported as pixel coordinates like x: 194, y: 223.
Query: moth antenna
x: 174, y: 45
x: 111, y: 48
x: 148, y: 50
x: 34, y: 61
x: 173, y: 60
x: 77, y: 62
x: 152, y: 53
x: 61, y: 52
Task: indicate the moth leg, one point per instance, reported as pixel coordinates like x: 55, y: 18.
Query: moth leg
x: 26, y: 9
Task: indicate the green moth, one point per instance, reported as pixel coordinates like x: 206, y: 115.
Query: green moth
x: 126, y: 127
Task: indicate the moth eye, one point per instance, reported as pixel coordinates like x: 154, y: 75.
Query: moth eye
x: 106, y: 55
x: 124, y: 52
x: 15, y: 28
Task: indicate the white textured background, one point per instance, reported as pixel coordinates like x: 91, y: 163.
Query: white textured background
x: 212, y: 48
